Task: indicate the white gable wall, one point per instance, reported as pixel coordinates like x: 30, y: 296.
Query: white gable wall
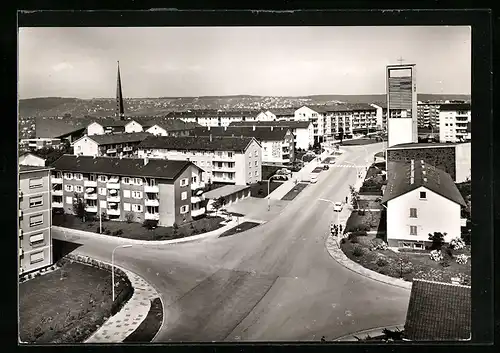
x: 156, y: 130
x: 85, y: 147
x: 95, y: 129
x: 133, y: 126
x: 31, y: 159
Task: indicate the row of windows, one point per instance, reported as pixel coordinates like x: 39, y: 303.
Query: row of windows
x: 103, y: 178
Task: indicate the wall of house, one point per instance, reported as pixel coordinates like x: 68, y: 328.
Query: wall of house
x: 252, y: 172
x: 303, y: 138
x: 462, y: 162
x: 85, y: 147
x: 441, y: 157
x: 133, y: 126
x: 95, y: 129
x: 29, y: 159
x: 181, y: 218
x: 167, y: 203
x: 399, y: 221
x: 156, y: 130
x: 132, y: 187
x: 400, y: 130
x: 35, y: 241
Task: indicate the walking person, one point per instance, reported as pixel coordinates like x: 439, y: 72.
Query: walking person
x: 340, y: 226
x: 346, y: 199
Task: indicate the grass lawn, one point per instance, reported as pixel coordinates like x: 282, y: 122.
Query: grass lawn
x: 373, y: 220
x: 259, y: 189
x: 268, y: 171
x: 373, y: 184
x: 417, y: 265
x: 369, y: 204
x: 292, y: 194
x: 241, y: 228
x: 66, y: 305
x: 358, y: 142
x: 150, y: 326
x: 137, y: 231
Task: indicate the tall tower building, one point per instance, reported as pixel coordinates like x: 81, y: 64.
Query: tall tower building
x: 119, y: 97
x: 401, y: 104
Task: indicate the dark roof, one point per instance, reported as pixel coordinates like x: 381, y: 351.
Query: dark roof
x: 171, y: 124
x: 109, y: 122
x: 54, y: 128
x: 282, y: 111
x: 454, y: 106
x: 421, y: 145
x: 31, y: 168
x: 260, y: 133
x: 292, y: 124
x: 155, y: 168
x: 110, y: 139
x: 187, y: 143
x: 213, y: 113
x: 344, y: 107
x: 434, y: 179
x: 438, y: 311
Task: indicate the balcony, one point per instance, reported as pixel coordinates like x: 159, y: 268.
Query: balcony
x: 199, y: 212
x: 90, y: 184
x: 113, y: 185
x: 152, y: 202
x: 223, y: 158
x: 57, y: 204
x: 91, y: 209
x: 20, y: 233
x: 56, y: 180
x: 57, y: 192
x: 113, y: 212
x: 223, y: 168
x: 199, y: 185
x: 151, y: 188
x: 195, y: 199
x: 111, y: 150
x: 90, y: 196
x: 152, y: 216
x: 463, y: 222
x: 112, y: 198
x: 20, y: 193
x: 127, y: 148
x: 20, y: 213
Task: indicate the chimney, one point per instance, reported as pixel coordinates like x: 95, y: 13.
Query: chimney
x: 272, y: 128
x: 253, y: 127
x: 210, y: 137
x: 209, y: 127
x: 225, y: 128
x: 146, y: 160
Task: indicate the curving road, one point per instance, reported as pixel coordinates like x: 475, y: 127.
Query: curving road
x: 275, y: 282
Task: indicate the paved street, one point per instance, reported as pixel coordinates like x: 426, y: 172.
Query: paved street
x: 274, y: 282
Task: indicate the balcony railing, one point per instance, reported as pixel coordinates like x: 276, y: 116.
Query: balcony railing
x: 56, y: 204
x: 463, y: 222
x: 152, y: 216
x: 111, y: 150
x: 195, y: 199
x: 152, y: 202
x: 89, y: 183
x: 223, y: 158
x: 56, y: 180
x: 91, y: 208
x: 112, y: 198
x: 90, y: 196
x: 113, y: 185
x: 20, y: 193
x: 151, y: 188
x: 113, y: 212
x: 199, y: 185
x: 58, y: 192
x: 199, y: 212
x: 127, y: 148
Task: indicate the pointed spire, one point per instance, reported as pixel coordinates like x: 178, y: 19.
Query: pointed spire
x: 119, y: 97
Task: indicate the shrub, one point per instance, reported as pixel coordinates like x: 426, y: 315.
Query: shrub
x: 117, y: 232
x: 342, y: 241
x: 149, y: 224
x: 378, y: 245
x: 449, y: 252
x: 353, y: 239
x: 357, y: 251
x: 457, y: 244
x: 129, y: 217
x: 437, y: 240
x: 462, y: 259
x: 360, y: 233
x: 444, y: 263
x: 382, y: 261
x: 107, y: 232
x: 436, y: 255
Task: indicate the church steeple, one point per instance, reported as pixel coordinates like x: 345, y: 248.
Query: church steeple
x: 119, y: 97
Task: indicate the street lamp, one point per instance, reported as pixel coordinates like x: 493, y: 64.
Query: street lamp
x: 113, y: 266
x: 268, y: 186
x: 338, y: 216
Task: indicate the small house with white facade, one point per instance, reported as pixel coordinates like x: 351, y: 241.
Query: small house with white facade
x: 420, y: 200
x: 110, y: 145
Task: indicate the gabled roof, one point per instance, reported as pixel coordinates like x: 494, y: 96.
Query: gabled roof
x: 110, y: 139
x: 171, y: 124
x: 109, y: 122
x: 32, y: 168
x: 454, y: 106
x: 292, y: 124
x: 438, y: 311
x: 191, y: 143
x: 348, y: 107
x: 282, y: 111
x: 260, y: 133
x: 399, y: 181
x: 209, y: 113
x: 55, y: 128
x: 155, y: 168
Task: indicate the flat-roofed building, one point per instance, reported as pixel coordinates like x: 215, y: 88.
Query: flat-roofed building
x: 453, y: 122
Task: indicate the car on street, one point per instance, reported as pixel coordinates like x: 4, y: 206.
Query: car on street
x: 314, y: 178
x: 281, y: 177
x: 337, y: 207
x: 332, y: 161
x: 326, y: 167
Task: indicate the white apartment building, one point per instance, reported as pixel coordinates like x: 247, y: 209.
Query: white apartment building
x: 428, y: 114
x: 453, y: 122
x: 214, y: 118
x: 421, y: 200
x: 110, y: 145
x: 316, y: 115
x: 231, y: 160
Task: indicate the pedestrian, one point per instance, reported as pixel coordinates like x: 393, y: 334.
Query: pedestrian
x: 323, y: 339
x: 346, y: 199
x: 340, y: 228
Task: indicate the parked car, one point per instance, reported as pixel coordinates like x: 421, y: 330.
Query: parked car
x: 284, y: 171
x: 326, y: 167
x: 332, y: 161
x: 281, y: 177
x: 337, y: 207
x: 314, y: 178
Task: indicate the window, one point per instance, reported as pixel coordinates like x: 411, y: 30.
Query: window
x: 413, y: 213
x: 78, y: 188
x: 137, y: 194
x: 69, y: 200
x: 36, y: 220
x: 256, y: 173
x: 102, y: 191
x: 184, y: 195
x: 138, y: 181
x: 256, y: 154
x: 250, y: 164
x: 91, y: 177
x: 103, y: 204
x: 405, y: 245
x: 249, y: 173
x: 126, y: 180
x: 418, y: 246
x: 36, y: 183
x: 126, y: 206
x: 230, y: 154
x: 36, y: 239
x: 255, y: 163
x: 68, y: 176
x: 423, y: 195
x: 36, y: 257
x: 413, y: 230
x: 78, y: 176
x: 103, y: 178
x: 68, y: 187
x: 193, y: 179
x: 36, y: 201
x: 184, y: 209
x: 136, y: 207
x: 126, y: 193
x: 184, y: 182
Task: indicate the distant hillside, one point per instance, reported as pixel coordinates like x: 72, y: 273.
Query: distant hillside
x: 100, y: 107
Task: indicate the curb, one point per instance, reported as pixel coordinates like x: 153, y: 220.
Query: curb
x: 351, y: 338
x: 338, y: 255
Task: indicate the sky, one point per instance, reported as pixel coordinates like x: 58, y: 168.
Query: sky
x: 208, y: 61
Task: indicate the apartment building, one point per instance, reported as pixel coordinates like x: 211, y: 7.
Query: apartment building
x: 110, y: 145
x: 231, y: 160
x: 301, y: 130
x: 35, y: 218
x: 31, y: 159
x: 106, y: 126
x: 214, y: 117
x: 160, y: 126
x: 142, y: 189
x: 277, y: 143
x: 281, y: 114
x: 428, y: 114
x: 316, y: 115
x: 420, y: 200
x: 352, y: 119
x: 453, y: 122
x: 39, y: 143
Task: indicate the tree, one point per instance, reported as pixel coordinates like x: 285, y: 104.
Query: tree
x: 51, y: 154
x: 79, y: 206
x: 341, y: 134
x: 129, y: 217
x: 354, y: 197
x: 437, y: 240
x: 218, y: 203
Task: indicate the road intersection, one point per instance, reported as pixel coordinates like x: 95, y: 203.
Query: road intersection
x: 275, y: 282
